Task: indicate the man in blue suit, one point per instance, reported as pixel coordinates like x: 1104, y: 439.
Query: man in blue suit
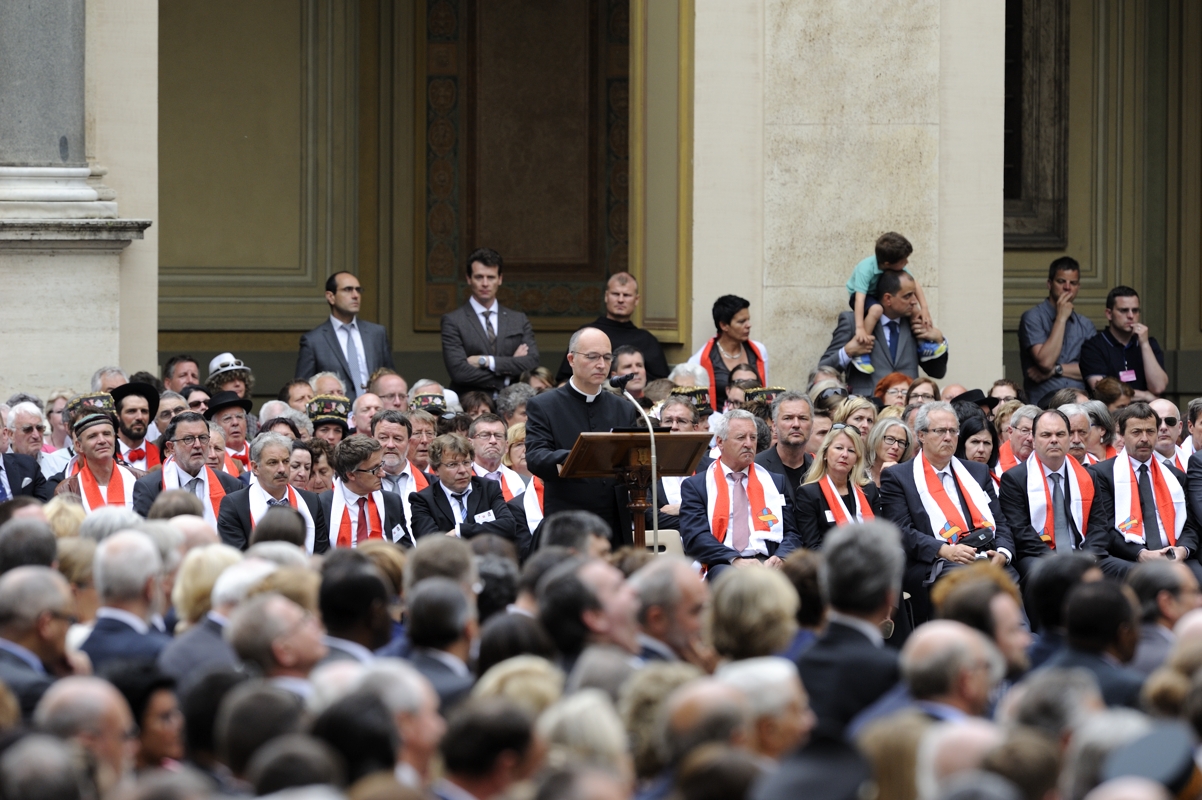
x: 127, y: 572
x: 748, y: 518
x: 349, y: 347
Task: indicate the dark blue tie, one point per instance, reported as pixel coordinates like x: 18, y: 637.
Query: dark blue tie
x: 891, y: 327
x: 3, y: 493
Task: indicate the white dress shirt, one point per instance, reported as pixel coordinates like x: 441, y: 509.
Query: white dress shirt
x: 343, y: 330
x: 481, y: 311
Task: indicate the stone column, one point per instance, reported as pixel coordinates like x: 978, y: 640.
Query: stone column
x: 58, y: 240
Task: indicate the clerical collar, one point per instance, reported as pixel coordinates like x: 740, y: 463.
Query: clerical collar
x: 588, y: 398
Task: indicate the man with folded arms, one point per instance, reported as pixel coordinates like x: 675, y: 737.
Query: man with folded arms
x: 1139, y: 511
x: 1047, y: 499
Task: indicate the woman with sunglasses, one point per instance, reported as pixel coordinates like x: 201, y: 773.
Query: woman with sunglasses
x: 827, y: 395
x: 890, y: 442
x: 836, y: 490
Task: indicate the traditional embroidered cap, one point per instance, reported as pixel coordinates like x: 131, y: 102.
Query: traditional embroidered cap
x: 699, y: 396
x: 765, y: 393
x: 92, y: 402
x: 93, y: 418
x: 141, y: 390
x: 433, y: 402
x: 325, y: 409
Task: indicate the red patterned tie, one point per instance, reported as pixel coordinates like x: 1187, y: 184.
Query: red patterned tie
x: 363, y: 532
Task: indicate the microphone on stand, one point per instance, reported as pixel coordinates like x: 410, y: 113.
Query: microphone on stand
x: 619, y: 381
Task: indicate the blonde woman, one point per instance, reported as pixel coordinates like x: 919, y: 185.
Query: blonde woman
x: 890, y: 442
x: 193, y: 588
x: 515, y: 451
x: 856, y: 412
x: 836, y: 490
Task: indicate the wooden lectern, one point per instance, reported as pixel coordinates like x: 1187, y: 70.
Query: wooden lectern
x: 628, y: 456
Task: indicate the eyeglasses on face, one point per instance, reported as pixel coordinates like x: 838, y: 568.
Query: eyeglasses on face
x: 372, y: 471
x: 927, y: 396
x: 892, y: 442
x: 896, y: 391
x: 941, y: 432
x: 484, y: 437
x: 188, y: 441
x: 593, y: 358
x: 456, y: 465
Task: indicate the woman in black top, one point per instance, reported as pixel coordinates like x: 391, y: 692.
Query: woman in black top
x: 836, y: 490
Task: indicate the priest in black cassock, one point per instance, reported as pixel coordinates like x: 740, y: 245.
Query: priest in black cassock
x: 556, y: 418
x: 621, y: 299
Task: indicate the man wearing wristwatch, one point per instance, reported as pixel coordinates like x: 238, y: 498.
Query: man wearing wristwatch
x: 1051, y: 334
x: 486, y: 346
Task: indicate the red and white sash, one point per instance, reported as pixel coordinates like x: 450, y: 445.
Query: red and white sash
x: 375, y: 519
x: 119, y: 492
x: 1005, y: 459
x: 216, y: 492
x: 512, y: 484
x: 835, y: 503
x: 946, y: 520
x: 1128, y: 514
x: 1080, y: 487
x: 767, y: 506
x: 532, y: 503
x: 258, y: 507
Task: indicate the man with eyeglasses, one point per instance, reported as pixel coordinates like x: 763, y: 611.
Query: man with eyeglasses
x: 1168, y: 434
x: 487, y: 433
x: 1020, y: 442
x: 185, y: 447
x: 486, y: 346
x: 392, y: 430
x: 556, y: 418
x: 1047, y: 498
x: 621, y: 300
x: 391, y: 388
x: 357, y: 508
x: 939, y: 502
x: 270, y: 454
x: 349, y: 347
x: 25, y: 469
x: 229, y: 411
x: 36, y: 609
x: 458, y: 502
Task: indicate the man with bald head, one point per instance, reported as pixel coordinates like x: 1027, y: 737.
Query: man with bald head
x: 1168, y: 434
x: 556, y: 418
x: 93, y: 713
x: 36, y: 609
x: 700, y: 712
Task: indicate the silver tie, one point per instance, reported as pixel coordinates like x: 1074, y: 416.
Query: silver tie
x: 352, y: 360
x: 1061, y: 531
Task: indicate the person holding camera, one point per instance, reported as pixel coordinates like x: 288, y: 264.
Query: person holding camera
x: 946, y: 508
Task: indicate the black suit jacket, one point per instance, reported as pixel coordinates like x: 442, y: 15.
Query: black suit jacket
x: 320, y: 351
x: 907, y: 355
x: 1117, y: 554
x: 463, y: 335
x: 1120, y: 686
x: 810, y: 509
x: 394, y: 514
x: 844, y: 673
x: 451, y: 688
x: 25, y: 477
x: 770, y: 460
x: 901, y: 504
x: 25, y: 682
x: 554, y: 420
x: 1013, y: 498
x: 233, y: 521
x: 432, y: 512
x: 113, y: 640
x: 196, y: 652
x: 150, y: 486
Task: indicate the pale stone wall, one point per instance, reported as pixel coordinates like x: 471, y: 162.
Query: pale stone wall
x: 819, y: 126
x: 122, y: 131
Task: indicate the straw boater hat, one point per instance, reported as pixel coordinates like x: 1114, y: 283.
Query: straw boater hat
x: 325, y: 409
x: 766, y: 394
x: 699, y: 396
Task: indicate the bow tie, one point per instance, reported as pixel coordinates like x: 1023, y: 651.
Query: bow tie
x: 137, y: 454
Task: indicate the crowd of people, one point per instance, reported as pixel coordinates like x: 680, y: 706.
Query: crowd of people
x: 871, y: 586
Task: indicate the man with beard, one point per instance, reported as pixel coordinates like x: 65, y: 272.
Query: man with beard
x: 556, y: 418
x: 241, y: 510
x: 391, y: 429
x: 793, y: 417
x: 1047, y: 499
x: 185, y: 445
x: 487, y: 433
x: 229, y: 411
x: 100, y: 481
x: 136, y: 404
x: 621, y: 300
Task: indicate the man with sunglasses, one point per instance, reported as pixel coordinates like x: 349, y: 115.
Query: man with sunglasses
x: 556, y: 418
x: 1168, y: 434
x: 24, y: 471
x: 185, y: 446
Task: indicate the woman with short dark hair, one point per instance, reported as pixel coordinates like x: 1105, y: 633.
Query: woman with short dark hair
x: 731, y: 346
